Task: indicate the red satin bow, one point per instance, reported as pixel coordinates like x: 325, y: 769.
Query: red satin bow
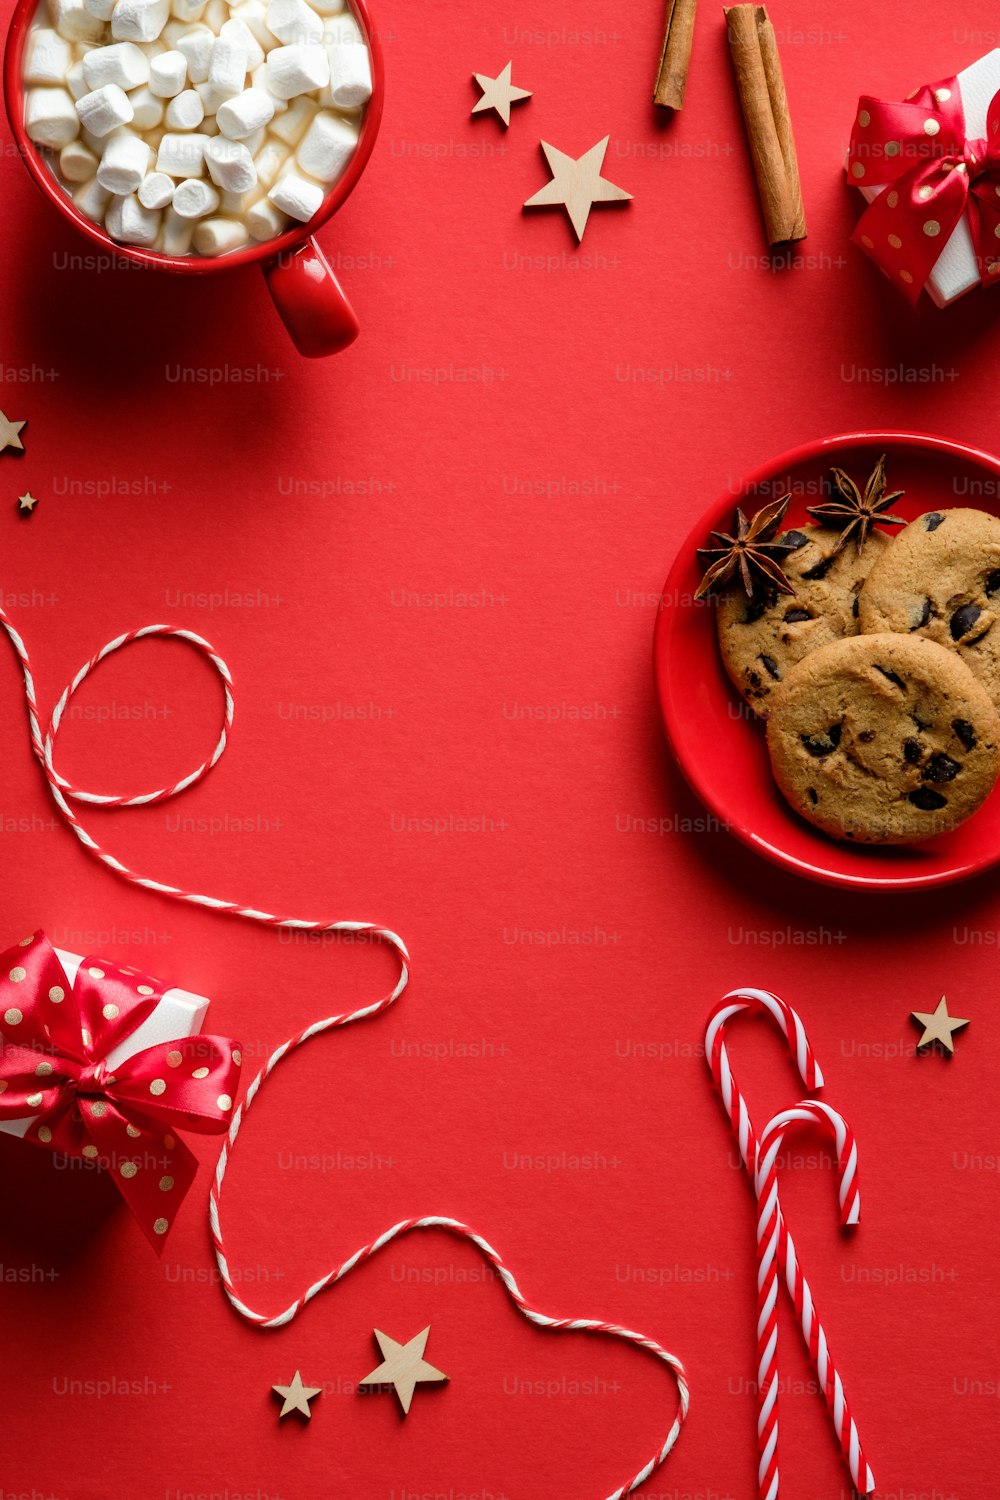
x: 53, y: 1042
x: 932, y: 176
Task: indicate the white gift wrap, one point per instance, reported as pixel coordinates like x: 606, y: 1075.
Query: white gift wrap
x: 955, y: 271
x: 178, y: 1014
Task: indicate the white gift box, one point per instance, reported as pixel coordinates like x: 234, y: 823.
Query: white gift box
x: 955, y: 271
x: 178, y: 1014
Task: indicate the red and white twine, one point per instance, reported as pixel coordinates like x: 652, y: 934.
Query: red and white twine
x: 774, y: 1242
x: 64, y: 794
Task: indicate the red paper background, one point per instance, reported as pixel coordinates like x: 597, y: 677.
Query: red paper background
x: 440, y: 557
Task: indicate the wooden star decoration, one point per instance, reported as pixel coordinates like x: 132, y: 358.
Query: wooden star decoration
x: 938, y: 1026
x: 403, y: 1366
x: 9, y: 433
x: 499, y: 93
x: 296, y: 1396
x: 27, y: 502
x: 577, y: 184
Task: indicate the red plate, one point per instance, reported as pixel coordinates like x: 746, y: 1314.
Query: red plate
x: 718, y: 743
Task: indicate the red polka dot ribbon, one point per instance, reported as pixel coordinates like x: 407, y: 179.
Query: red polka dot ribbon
x: 54, y: 1038
x: 932, y: 175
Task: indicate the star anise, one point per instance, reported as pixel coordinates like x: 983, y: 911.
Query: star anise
x: 751, y: 553
x: 854, y: 513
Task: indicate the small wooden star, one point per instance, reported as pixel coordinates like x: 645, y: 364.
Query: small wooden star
x: 938, y: 1026
x: 577, y: 184
x: 403, y: 1366
x: 296, y: 1396
x: 9, y: 433
x: 27, y: 502
x: 499, y: 93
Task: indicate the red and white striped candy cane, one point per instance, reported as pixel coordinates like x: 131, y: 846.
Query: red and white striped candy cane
x: 773, y: 1243
x: 63, y: 793
x: 760, y: 1002
x: 717, y: 1056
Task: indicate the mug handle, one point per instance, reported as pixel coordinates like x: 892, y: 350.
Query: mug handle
x: 311, y: 302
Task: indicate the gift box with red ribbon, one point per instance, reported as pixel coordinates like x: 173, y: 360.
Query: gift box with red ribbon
x: 105, y: 1063
x: 929, y: 167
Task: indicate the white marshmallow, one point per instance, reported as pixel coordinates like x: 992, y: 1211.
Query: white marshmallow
x: 293, y: 124
x: 245, y: 114
x: 228, y: 67
x: 129, y: 222
x: 167, y: 74
x: 217, y: 14
x: 230, y: 165
x: 50, y: 117
x: 104, y: 109
x: 139, y: 20
x: 175, y: 234
x: 156, y: 190
x: 196, y: 44
x: 147, y: 110
x: 188, y: 10
x: 342, y: 30
x: 182, y: 155
x: 326, y: 147
x: 235, y: 205
x: 186, y: 111
x: 264, y: 220
x: 214, y: 94
x: 258, y: 80
x: 269, y: 160
x: 77, y: 163
x: 328, y: 7
x: 194, y: 199
x: 73, y: 20
x: 253, y: 15
x: 294, y: 21
x: 102, y: 9
x: 217, y: 236
x: 350, y: 76
x: 241, y: 36
x: 92, y: 200
x: 254, y: 142
x: 75, y: 81
x: 297, y: 196
x: 124, y: 164
x: 123, y: 63
x: 47, y: 57
x: 295, y: 70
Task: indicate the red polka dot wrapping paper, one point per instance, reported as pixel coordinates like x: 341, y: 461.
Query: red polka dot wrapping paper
x: 433, y: 565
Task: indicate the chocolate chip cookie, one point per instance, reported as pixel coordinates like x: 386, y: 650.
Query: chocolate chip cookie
x: 883, y: 739
x: 762, y: 638
x: 941, y: 579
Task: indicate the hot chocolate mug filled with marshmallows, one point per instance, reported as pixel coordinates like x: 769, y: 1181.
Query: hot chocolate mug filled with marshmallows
x: 198, y: 135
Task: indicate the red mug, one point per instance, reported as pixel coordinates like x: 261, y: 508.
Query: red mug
x: 307, y: 294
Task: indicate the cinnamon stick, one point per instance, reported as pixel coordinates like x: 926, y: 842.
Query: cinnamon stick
x: 761, y: 89
x: 675, y: 55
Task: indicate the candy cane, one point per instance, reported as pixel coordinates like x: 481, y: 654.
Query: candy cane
x: 774, y: 1242
x: 717, y: 1056
x: 63, y: 793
